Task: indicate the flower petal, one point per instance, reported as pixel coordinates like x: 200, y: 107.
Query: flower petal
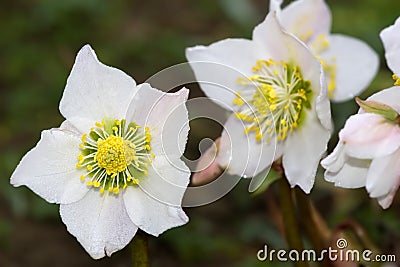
x: 345, y: 171
x: 99, y: 222
x: 386, y: 201
x: 391, y: 42
x: 49, y: 169
x: 303, y: 151
x: 383, y: 175
x: 335, y: 161
x: 165, y: 114
x: 95, y: 91
x: 218, y: 67
x: 275, y: 5
x: 389, y: 96
x: 352, y: 175
x: 368, y: 135
x: 241, y: 154
x: 151, y: 215
x: 356, y: 65
x: 167, y: 180
x: 307, y: 19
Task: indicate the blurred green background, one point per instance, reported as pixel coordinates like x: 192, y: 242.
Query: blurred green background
x: 38, y: 43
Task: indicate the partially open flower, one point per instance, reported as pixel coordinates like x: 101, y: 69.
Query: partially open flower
x: 368, y: 153
x: 349, y: 64
x: 110, y: 165
x: 277, y: 89
x: 208, y: 169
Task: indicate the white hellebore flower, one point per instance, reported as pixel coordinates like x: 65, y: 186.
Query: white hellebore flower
x: 349, y: 64
x: 391, y: 42
x: 277, y: 89
x: 368, y: 152
x: 114, y: 164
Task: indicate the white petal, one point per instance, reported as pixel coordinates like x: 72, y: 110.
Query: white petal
x: 306, y: 19
x: 49, y: 169
x: 352, y: 174
x: 285, y: 46
x: 95, y: 91
x: 369, y: 135
x: 151, y: 215
x: 345, y: 171
x: 99, y: 222
x: 165, y: 114
x: 323, y: 105
x: 275, y: 5
x: 389, y: 96
x: 356, y: 65
x: 218, y: 67
x: 303, y: 151
x: 335, y: 161
x: 241, y: 154
x: 383, y: 175
x: 167, y: 180
x: 391, y: 42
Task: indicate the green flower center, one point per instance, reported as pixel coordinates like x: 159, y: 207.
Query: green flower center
x: 115, y: 155
x: 275, y: 97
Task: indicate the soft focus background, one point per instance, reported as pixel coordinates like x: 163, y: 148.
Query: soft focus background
x: 38, y: 43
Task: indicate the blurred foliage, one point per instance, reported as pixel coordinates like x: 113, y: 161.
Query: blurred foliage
x: 39, y: 40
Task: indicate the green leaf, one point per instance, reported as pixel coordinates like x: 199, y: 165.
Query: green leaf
x: 271, y: 177
x: 378, y: 108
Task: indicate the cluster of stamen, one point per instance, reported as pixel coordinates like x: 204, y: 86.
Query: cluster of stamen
x: 115, y: 155
x: 273, y: 101
x: 318, y: 45
x: 396, y: 80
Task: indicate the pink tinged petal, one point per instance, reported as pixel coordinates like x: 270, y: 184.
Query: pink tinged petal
x: 241, y: 154
x: 383, y: 175
x: 99, y: 222
x: 208, y: 168
x: 285, y: 46
x: 218, y: 67
x: 369, y: 135
x: 165, y: 114
x: 386, y: 201
x: 345, y: 171
x: 49, y: 169
x: 303, y: 151
x: 95, y: 91
x: 391, y: 42
x: 151, y: 215
x: 307, y: 19
x: 389, y: 96
x: 356, y: 64
x: 167, y: 180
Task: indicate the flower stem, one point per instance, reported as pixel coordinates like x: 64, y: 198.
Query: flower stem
x: 140, y: 254
x: 292, y: 233
x: 317, y: 231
